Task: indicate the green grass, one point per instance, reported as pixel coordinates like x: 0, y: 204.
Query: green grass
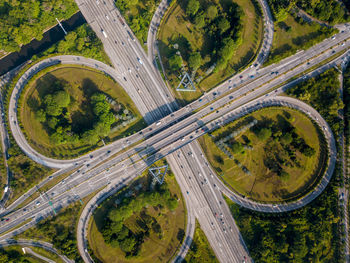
x: 300, y: 36
x: 308, y: 234
x: 200, y: 250
x: 17, y: 250
x: 47, y: 254
x: 83, y: 81
x: 262, y: 184
x: 176, y: 28
x: 51, y: 229
x: 153, y: 249
x: 138, y: 16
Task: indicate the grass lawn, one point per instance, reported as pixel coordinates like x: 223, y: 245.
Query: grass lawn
x: 47, y: 254
x: 176, y: 28
x: 262, y: 184
x: 51, y: 229
x: 200, y: 250
x: 286, y: 43
x: 84, y: 83
x: 153, y: 249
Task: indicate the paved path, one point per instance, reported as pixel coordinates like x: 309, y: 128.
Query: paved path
x: 5, y: 141
x: 33, y: 243
x: 30, y: 251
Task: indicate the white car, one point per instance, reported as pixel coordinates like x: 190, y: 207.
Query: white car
x: 139, y: 60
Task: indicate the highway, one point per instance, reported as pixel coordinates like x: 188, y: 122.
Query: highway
x: 157, y: 103
x: 225, y: 102
x: 209, y: 110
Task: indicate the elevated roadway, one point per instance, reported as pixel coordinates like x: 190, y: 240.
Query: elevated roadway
x: 153, y: 82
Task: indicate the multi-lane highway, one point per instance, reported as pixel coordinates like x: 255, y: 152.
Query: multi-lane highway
x: 138, y: 76
x: 218, y: 104
x: 223, y: 101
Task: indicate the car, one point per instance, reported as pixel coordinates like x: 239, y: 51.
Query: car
x: 231, y: 97
x: 108, y: 151
x: 37, y: 203
x: 211, y: 108
x: 107, y: 17
x: 139, y: 60
x: 123, y: 43
x: 241, y: 77
x: 124, y: 78
x: 7, y: 219
x: 91, y: 156
x: 187, y: 192
x: 104, y: 33
x: 333, y: 37
x: 214, y: 93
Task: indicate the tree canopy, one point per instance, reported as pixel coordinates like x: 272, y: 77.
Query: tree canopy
x: 22, y: 20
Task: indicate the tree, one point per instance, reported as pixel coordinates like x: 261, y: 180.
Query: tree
x: 52, y: 122
x: 40, y: 115
x: 98, y: 97
x: 128, y: 244
x: 212, y: 12
x: 175, y: 62
x: 225, y: 53
x: 172, y: 204
x: 223, y: 25
x: 284, y: 176
x: 199, y: 20
x: 192, y: 7
x: 61, y: 98
x: 264, y: 133
x: 286, y: 138
x: 195, y: 60
x: 237, y: 147
x: 101, y: 107
x: 309, y: 151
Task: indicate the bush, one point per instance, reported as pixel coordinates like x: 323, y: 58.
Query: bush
x: 175, y: 62
x: 195, y: 60
x: 192, y: 7
x: 264, y: 133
